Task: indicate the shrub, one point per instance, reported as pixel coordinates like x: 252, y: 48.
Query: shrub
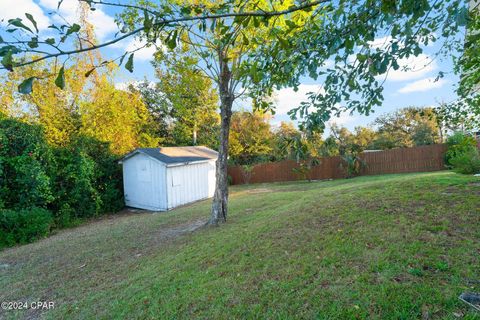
x: 467, y: 162
x: 87, y: 181
x: 24, y: 226
x: 74, y: 184
x: 459, y: 143
x: 77, y: 181
x: 247, y: 171
x: 107, y: 173
x: 462, y: 155
x: 352, y: 164
x: 24, y: 157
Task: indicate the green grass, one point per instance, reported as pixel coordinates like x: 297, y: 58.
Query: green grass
x: 384, y: 247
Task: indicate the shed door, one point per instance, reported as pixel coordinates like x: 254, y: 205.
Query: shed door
x: 145, y: 182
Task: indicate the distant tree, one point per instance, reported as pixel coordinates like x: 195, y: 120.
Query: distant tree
x: 329, y: 147
x: 304, y: 148
x: 285, y: 133
x: 345, y: 141
x: 350, y: 145
x: 456, y: 117
x: 407, y: 127
x: 250, y: 137
x: 160, y: 112
x: 189, y: 96
x: 343, y: 138
x: 364, y: 137
x: 55, y: 109
x: 118, y: 117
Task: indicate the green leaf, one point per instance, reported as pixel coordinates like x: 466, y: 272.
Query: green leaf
x: 186, y: 11
x: 388, y: 6
x: 147, y: 23
x: 349, y: 44
x: 284, y: 43
x: 30, y: 17
x: 308, y: 9
x: 60, y: 80
x: 33, y: 43
x: 18, y: 23
x: 129, y: 64
x: 245, y: 39
x: 72, y: 29
x: 172, y: 40
x: 89, y: 72
x: 246, y: 21
x: 6, y: 49
x: 50, y: 41
x: 7, y: 60
x: 291, y: 24
x: 361, y: 57
x: 26, y: 86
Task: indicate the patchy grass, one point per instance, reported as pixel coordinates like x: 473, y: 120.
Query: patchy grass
x: 384, y: 247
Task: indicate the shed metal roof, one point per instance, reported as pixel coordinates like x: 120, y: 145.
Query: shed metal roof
x: 176, y: 155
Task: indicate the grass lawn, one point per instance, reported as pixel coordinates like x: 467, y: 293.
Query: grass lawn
x: 384, y: 247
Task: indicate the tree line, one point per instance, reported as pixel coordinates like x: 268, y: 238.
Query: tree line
x: 253, y: 139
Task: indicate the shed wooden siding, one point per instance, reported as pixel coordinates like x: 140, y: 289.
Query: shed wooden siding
x: 147, y: 191
x: 188, y: 183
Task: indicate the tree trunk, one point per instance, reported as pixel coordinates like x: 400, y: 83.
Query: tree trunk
x: 220, y: 198
x: 195, y: 134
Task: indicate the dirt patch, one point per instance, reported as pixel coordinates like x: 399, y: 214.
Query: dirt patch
x: 391, y: 206
x: 259, y: 190
x: 170, y: 233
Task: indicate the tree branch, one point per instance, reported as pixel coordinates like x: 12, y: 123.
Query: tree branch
x: 166, y: 22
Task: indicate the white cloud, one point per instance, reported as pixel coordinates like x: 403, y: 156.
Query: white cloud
x: 413, y: 68
x: 103, y: 23
x: 287, y: 99
x: 144, y: 52
x: 423, y: 85
x: 10, y: 9
x: 342, y: 119
x: 124, y: 86
x: 383, y: 42
x: 380, y: 42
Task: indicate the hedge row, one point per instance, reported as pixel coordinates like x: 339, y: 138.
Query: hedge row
x: 44, y: 187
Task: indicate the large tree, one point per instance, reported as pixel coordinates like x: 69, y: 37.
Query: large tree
x: 407, y: 127
x: 250, y: 137
x: 464, y: 113
x: 257, y: 46
x: 189, y: 97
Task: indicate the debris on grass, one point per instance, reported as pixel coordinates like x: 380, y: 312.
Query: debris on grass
x: 472, y: 299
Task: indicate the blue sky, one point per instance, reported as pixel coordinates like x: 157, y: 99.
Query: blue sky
x: 411, y: 88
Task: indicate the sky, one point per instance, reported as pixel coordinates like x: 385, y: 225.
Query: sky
x: 411, y: 88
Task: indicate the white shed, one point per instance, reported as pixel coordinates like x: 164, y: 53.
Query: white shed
x: 164, y: 178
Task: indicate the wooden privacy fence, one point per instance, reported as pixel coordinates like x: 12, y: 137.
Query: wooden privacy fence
x: 401, y: 160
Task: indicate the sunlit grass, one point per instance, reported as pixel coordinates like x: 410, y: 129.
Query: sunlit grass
x: 385, y: 247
